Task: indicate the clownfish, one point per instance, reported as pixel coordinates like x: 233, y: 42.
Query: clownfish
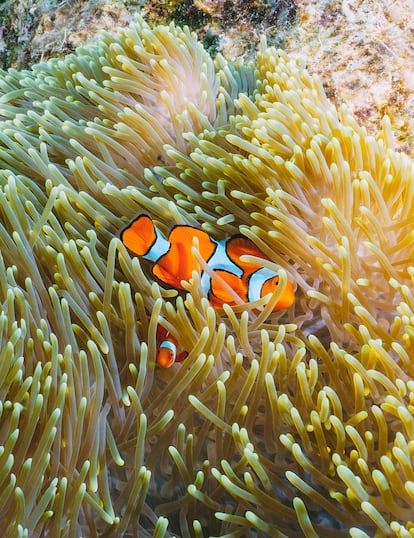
x: 167, y: 353
x: 174, y: 262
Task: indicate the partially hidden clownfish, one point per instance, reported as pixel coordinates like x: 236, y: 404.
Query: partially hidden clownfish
x: 167, y: 349
x: 174, y: 262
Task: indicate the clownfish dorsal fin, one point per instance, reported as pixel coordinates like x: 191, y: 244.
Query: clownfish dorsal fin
x: 142, y: 237
x: 239, y: 245
x: 179, y: 262
x: 184, y: 236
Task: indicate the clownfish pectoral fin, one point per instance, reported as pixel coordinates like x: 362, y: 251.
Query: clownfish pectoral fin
x: 167, y: 274
x: 143, y: 239
x: 219, y: 294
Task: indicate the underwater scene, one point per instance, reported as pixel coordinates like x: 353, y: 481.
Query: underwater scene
x: 206, y: 271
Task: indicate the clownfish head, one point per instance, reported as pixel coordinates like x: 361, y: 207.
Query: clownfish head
x: 288, y: 296
x: 167, y: 353
x: 263, y: 282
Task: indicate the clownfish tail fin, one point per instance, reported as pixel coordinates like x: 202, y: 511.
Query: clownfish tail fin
x: 139, y: 235
x: 142, y: 237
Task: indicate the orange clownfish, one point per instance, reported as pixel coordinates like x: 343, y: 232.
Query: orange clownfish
x: 167, y: 349
x: 174, y: 262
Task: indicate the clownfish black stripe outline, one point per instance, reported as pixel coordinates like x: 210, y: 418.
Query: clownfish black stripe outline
x: 256, y: 282
x: 173, y: 261
x: 157, y: 239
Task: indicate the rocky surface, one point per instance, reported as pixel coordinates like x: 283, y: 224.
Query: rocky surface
x: 364, y: 53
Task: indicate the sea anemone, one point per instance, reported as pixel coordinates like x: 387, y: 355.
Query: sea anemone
x: 276, y: 424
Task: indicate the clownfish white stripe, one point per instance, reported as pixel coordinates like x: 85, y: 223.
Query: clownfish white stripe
x: 205, y: 282
x: 159, y: 248
x: 256, y: 282
x: 219, y: 260
x: 169, y: 345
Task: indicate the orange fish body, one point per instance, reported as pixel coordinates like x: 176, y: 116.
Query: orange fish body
x: 167, y: 353
x: 174, y: 262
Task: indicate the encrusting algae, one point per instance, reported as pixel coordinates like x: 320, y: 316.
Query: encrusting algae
x: 288, y: 423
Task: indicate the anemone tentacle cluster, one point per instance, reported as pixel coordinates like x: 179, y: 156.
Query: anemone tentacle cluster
x: 277, y: 424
